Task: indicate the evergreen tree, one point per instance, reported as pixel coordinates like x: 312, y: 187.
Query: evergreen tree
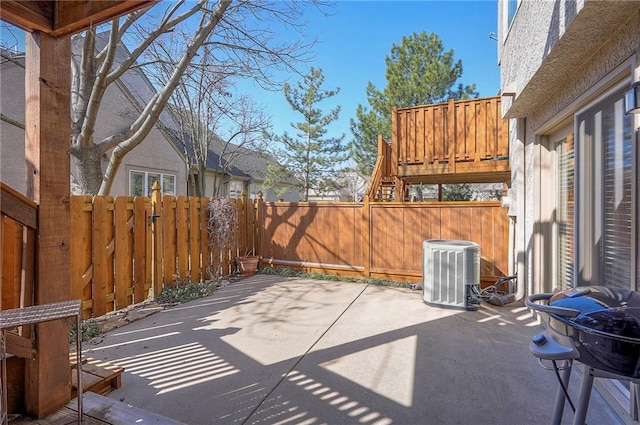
x: 308, y: 156
x: 457, y: 192
x: 419, y: 72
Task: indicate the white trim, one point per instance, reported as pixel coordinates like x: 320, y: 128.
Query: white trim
x: 146, y: 177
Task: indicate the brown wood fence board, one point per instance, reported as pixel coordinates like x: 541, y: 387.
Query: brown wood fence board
x: 493, y: 121
x: 81, y: 248
x: 402, y: 138
x: 12, y: 249
x: 195, y: 259
x: 298, y: 245
x: 102, y: 261
x: 421, y: 148
x: 123, y: 220
x: 326, y: 227
x: 415, y: 235
x: 350, y: 232
x: 204, y: 239
x: 411, y: 137
x: 437, y: 138
x: 482, y: 141
x: 141, y: 254
x: 182, y: 235
x: 169, y: 241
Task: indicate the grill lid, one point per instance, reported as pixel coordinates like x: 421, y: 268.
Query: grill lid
x: 610, y: 312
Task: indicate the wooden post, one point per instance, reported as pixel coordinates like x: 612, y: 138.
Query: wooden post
x: 258, y: 228
x: 366, y: 236
x: 156, y: 238
x: 395, y: 142
x: 451, y: 134
x: 47, y: 142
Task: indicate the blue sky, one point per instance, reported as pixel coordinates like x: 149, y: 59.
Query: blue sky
x: 354, y: 40
x: 353, y: 43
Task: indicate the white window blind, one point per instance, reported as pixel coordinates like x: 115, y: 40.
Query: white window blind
x: 565, y: 213
x: 617, y: 174
x: 605, y: 212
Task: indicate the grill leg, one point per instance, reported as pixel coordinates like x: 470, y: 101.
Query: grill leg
x: 583, y: 398
x: 558, y: 409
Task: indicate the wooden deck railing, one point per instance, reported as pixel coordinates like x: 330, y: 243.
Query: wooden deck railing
x: 466, y: 136
x: 381, y: 169
x: 466, y: 130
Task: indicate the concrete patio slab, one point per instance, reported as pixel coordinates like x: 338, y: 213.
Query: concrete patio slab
x: 272, y: 350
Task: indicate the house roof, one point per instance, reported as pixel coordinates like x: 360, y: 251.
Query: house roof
x: 252, y: 166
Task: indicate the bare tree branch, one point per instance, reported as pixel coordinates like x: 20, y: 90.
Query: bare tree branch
x: 11, y: 121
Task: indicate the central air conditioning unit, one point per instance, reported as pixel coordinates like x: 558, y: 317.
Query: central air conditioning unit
x: 451, y: 273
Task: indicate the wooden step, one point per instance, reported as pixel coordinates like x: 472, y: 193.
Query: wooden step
x: 98, y: 379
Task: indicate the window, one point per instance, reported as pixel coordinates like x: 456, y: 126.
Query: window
x: 235, y: 189
x: 253, y: 191
x: 512, y: 6
x: 565, y: 212
x: 141, y: 183
x: 604, y: 194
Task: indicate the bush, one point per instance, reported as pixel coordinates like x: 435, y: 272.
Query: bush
x: 288, y: 272
x: 182, y: 292
x: 90, y: 329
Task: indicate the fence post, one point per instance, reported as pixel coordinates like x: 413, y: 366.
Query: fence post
x: 395, y: 142
x: 366, y: 235
x: 156, y: 237
x: 258, y: 224
x: 451, y: 136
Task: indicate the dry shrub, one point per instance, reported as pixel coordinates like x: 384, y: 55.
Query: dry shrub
x: 222, y: 228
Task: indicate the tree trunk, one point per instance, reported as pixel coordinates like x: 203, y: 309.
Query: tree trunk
x: 88, y: 162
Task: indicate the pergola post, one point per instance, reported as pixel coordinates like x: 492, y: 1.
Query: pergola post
x: 47, y: 143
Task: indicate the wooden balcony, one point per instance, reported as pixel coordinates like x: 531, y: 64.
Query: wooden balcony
x: 455, y: 142
x: 464, y: 141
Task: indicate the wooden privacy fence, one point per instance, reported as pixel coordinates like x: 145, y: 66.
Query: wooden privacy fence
x: 125, y: 249
x: 379, y: 239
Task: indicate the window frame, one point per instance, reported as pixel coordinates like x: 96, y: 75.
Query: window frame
x: 590, y: 185
x: 146, y: 187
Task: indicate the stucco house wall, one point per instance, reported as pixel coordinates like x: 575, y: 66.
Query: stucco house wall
x: 556, y: 58
x: 12, y: 168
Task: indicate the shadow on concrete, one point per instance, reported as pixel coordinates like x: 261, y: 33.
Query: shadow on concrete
x: 269, y: 350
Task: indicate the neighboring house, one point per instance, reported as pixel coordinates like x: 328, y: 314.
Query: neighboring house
x: 233, y: 169
x: 246, y: 171
x: 565, y: 67
x: 155, y: 158
x: 160, y: 157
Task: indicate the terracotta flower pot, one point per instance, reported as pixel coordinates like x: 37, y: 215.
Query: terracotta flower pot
x: 248, y: 264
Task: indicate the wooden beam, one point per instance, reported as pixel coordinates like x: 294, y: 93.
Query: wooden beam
x: 73, y: 16
x: 28, y: 15
x: 19, y: 346
x: 47, y: 140
x: 17, y: 206
x: 60, y: 18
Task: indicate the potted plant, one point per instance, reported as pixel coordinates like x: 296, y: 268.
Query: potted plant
x: 248, y: 263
